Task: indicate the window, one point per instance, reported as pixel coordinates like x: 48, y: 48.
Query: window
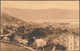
x: 75, y: 42
x: 70, y: 43
x: 70, y: 37
x: 70, y: 47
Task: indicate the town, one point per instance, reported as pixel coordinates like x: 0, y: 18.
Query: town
x: 41, y: 38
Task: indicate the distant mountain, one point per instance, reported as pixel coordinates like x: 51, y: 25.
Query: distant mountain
x: 45, y: 14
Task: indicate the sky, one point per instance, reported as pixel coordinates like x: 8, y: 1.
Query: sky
x: 41, y: 4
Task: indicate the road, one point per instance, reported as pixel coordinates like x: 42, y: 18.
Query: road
x: 11, y: 47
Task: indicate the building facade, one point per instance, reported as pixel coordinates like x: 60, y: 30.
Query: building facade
x: 70, y: 41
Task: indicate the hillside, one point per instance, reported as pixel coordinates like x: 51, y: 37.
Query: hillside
x: 11, y: 20
x: 6, y: 19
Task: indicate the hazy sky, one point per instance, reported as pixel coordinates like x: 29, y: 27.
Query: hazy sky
x: 41, y: 4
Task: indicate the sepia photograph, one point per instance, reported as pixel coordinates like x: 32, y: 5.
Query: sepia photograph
x: 39, y: 26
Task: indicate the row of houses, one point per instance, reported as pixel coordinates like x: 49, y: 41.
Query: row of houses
x: 70, y: 41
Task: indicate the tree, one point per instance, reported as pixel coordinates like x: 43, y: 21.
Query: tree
x: 5, y: 31
x: 21, y: 29
x: 37, y: 33
x: 60, y: 47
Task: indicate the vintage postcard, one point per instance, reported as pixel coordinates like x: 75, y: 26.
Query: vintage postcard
x: 39, y: 26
